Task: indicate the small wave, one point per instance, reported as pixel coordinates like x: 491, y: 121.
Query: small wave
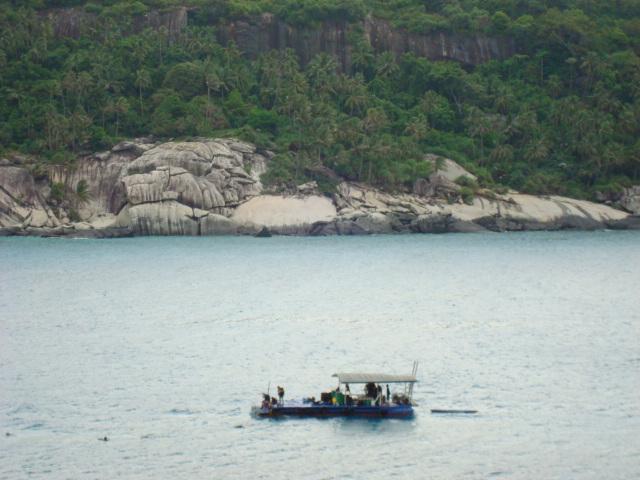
x: 181, y: 411
x: 24, y: 407
x: 34, y: 426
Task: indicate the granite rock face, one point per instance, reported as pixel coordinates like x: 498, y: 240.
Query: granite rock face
x: 22, y: 201
x: 213, y: 187
x: 173, y: 188
x: 362, y: 209
x: 257, y: 34
x: 630, y: 199
x: 190, y: 188
x: 73, y: 22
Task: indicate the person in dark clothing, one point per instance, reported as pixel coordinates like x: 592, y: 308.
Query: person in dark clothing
x: 388, y: 394
x: 280, y: 395
x: 370, y: 389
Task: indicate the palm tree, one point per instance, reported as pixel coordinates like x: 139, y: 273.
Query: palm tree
x: 320, y: 72
x: 142, y: 81
x: 213, y: 81
x: 117, y: 108
x: 418, y: 128
x: 83, y: 195
x: 479, y: 126
x: 374, y: 121
x: 79, y: 124
x: 357, y: 101
x: 386, y: 65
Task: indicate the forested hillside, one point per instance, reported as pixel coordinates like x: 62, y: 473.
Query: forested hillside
x: 560, y: 115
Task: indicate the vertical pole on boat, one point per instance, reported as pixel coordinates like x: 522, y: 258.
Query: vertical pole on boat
x: 269, y: 388
x: 414, y: 371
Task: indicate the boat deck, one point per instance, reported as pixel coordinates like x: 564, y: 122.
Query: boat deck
x: 300, y: 409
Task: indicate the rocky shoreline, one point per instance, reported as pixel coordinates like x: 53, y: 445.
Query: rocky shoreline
x: 213, y: 187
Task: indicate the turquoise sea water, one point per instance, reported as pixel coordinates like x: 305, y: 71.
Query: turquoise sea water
x: 163, y: 345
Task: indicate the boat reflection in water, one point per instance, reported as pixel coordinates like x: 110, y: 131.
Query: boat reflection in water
x: 377, y: 399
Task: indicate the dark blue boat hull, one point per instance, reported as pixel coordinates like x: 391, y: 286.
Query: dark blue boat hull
x: 327, y: 410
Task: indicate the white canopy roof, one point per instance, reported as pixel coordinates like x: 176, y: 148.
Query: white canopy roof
x: 374, y: 378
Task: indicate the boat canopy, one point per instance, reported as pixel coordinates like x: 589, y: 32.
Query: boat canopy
x: 374, y: 378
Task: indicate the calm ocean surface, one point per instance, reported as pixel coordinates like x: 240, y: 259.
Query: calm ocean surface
x: 163, y: 345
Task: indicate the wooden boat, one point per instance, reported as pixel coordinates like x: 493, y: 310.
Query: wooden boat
x: 343, y: 402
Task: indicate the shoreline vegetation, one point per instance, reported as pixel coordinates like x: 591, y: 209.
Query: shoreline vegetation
x: 357, y: 109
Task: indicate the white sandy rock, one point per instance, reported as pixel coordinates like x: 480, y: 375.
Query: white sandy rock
x: 214, y: 224
x: 449, y: 169
x: 280, y: 211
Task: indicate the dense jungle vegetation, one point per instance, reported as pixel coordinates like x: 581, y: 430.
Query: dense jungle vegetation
x: 560, y: 116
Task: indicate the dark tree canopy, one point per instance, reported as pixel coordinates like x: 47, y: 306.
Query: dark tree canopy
x: 560, y: 116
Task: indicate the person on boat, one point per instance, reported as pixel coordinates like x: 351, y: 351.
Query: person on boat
x: 378, y: 395
x: 280, y: 395
x: 388, y: 394
x: 265, y: 401
x: 370, y: 390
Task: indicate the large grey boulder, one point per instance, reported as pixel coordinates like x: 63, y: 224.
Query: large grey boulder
x: 159, y: 218
x: 630, y: 199
x: 168, y: 188
x: 22, y: 201
x: 442, y: 181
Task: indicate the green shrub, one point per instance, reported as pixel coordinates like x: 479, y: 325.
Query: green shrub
x: 266, y: 120
x: 467, y: 182
x: 468, y: 195
x: 308, y: 12
x: 74, y: 216
x: 500, y: 22
x: 125, y: 9
x: 58, y: 191
x: 185, y: 78
x: 82, y: 191
x: 93, y: 8
x: 137, y: 170
x: 280, y: 172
